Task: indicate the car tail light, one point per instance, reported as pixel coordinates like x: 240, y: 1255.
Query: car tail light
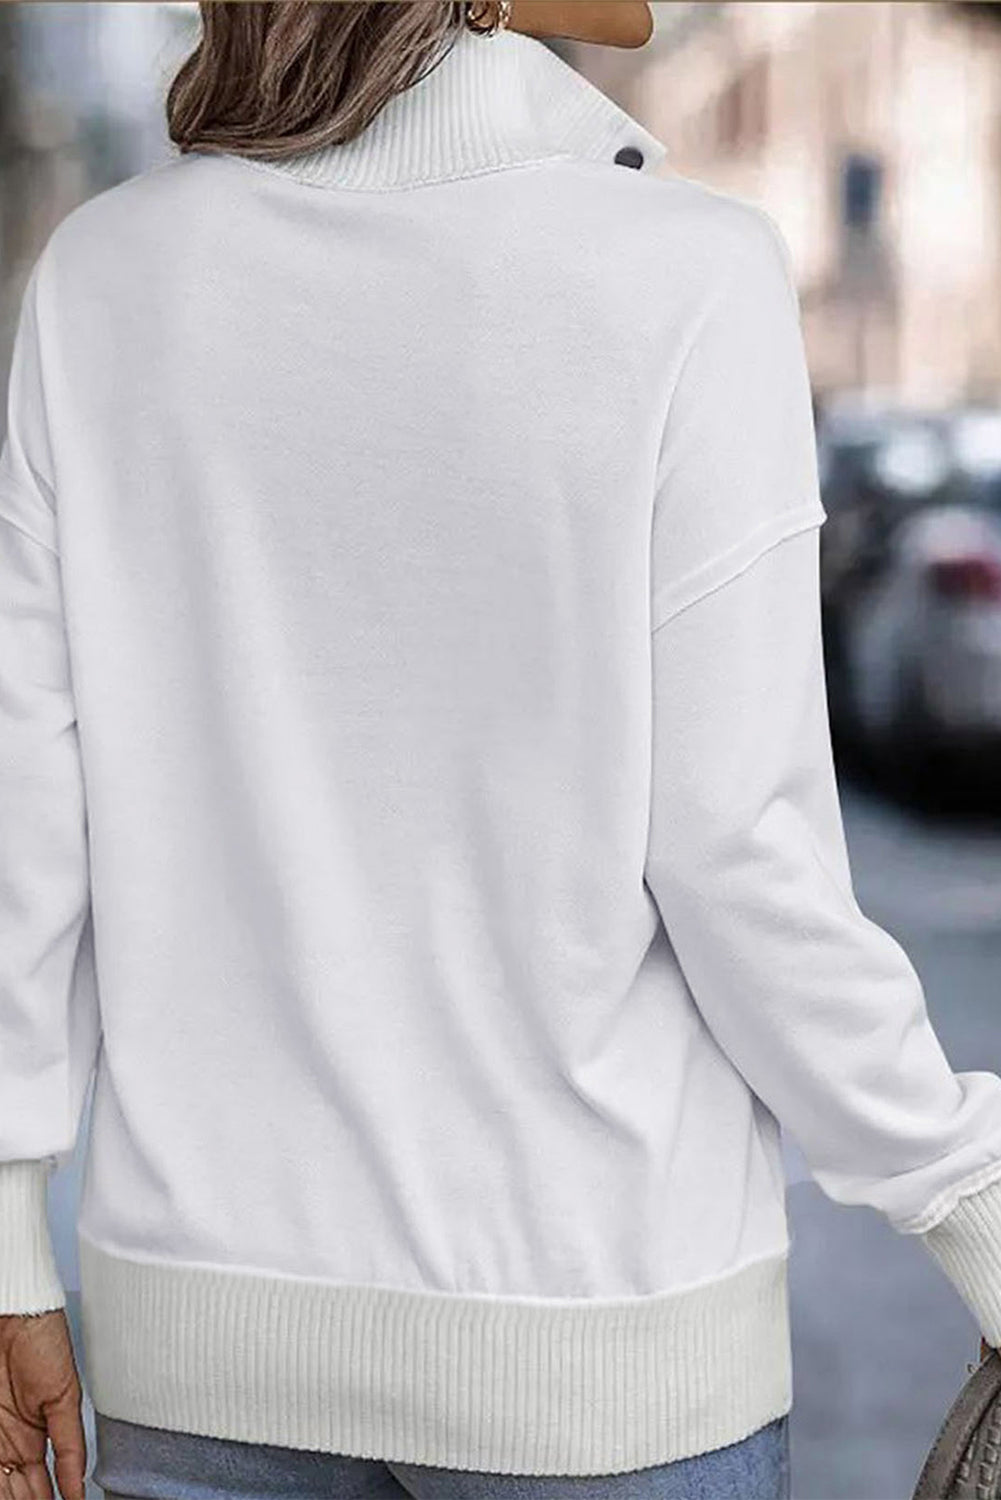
x: 974, y: 576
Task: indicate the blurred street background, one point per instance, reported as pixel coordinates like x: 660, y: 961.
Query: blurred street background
x: 872, y: 134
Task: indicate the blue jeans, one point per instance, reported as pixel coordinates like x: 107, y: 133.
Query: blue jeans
x: 150, y: 1463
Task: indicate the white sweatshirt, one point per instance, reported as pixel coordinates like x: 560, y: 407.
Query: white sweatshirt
x: 417, y: 801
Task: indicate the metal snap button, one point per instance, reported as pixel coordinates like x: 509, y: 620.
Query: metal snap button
x: 629, y: 156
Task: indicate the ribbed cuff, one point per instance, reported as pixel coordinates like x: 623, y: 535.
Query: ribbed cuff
x: 29, y: 1280
x: 967, y: 1246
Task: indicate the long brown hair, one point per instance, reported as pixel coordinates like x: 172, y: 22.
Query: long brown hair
x: 269, y: 78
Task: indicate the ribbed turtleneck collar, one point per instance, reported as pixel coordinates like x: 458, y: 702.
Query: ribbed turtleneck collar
x: 491, y: 101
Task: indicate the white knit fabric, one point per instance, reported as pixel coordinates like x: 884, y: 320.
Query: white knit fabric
x: 417, y: 804
x: 966, y: 1243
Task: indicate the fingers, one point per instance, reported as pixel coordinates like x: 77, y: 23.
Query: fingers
x: 39, y: 1483
x: 69, y: 1445
x: 70, y: 1467
x: 31, y: 1482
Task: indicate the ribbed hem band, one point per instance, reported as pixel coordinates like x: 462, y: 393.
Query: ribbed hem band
x: 506, y: 1385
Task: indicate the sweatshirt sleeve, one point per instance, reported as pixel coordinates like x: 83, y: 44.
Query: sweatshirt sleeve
x: 737, y: 467
x: 817, y: 1006
x: 48, y: 1013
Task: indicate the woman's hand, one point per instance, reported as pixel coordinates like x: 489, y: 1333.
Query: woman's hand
x: 40, y: 1398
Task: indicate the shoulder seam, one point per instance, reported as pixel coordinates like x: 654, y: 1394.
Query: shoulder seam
x: 742, y: 555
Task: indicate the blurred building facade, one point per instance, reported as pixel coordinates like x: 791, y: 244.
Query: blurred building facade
x: 81, y: 107
x: 872, y: 134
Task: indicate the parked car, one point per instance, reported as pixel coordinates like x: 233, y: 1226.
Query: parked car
x: 911, y: 576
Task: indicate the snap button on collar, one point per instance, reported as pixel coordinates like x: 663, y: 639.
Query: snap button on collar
x: 629, y: 156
